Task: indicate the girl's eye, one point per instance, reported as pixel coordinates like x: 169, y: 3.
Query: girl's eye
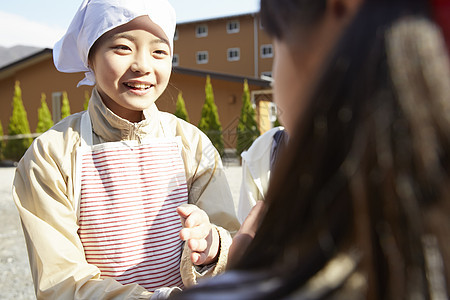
x: 122, y: 48
x: 160, y: 53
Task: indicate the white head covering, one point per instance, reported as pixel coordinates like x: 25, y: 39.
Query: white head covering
x: 94, y: 18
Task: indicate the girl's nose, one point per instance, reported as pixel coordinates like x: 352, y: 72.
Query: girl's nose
x: 142, y: 64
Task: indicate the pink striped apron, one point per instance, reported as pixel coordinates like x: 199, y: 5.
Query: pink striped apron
x: 129, y: 193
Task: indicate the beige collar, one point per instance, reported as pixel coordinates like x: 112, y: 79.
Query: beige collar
x: 109, y: 127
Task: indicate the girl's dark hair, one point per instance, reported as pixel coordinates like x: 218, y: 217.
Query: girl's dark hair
x: 280, y: 17
x: 368, y: 166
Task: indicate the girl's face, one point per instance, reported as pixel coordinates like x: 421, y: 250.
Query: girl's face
x: 296, y: 68
x: 132, y: 65
x: 292, y: 81
x: 300, y: 57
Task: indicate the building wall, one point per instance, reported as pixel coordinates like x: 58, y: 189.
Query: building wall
x: 218, y: 41
x: 6, y: 97
x: 264, y: 64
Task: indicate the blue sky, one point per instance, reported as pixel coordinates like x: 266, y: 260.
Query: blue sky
x: 41, y: 23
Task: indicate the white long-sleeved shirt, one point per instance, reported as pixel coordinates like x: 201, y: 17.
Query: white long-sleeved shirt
x: 255, y: 172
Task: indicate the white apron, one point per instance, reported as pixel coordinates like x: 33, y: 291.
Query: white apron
x: 128, y: 195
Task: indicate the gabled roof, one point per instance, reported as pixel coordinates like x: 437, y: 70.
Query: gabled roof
x: 25, y: 62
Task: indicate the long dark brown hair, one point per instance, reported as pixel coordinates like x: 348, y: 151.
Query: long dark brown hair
x: 368, y: 167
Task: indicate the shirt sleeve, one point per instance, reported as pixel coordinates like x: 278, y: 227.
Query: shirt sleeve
x: 209, y: 190
x: 249, y: 193
x: 256, y: 165
x: 43, y: 191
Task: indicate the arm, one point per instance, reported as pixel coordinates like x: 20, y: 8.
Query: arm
x: 208, y: 190
x: 43, y: 194
x: 247, y: 232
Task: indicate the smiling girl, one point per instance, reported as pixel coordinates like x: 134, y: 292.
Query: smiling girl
x: 101, y: 194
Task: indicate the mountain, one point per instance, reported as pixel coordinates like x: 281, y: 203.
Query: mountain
x: 12, y: 54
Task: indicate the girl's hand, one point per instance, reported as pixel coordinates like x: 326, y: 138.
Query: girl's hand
x: 200, y: 236
x: 246, y: 233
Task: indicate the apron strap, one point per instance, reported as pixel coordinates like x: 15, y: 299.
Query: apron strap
x: 86, y: 142
x: 164, y: 120
x: 86, y: 130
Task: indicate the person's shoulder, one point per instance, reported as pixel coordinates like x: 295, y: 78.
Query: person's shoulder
x: 269, y: 134
x: 60, y: 139
x: 194, y: 142
x: 64, y: 127
x: 180, y: 126
x: 262, y: 144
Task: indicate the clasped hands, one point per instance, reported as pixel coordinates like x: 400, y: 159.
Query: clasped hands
x: 204, y: 241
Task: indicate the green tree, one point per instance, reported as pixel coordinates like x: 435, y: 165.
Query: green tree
x: 18, y: 124
x: 45, y: 121
x: 180, y: 110
x: 209, y: 122
x: 87, y: 97
x: 65, y: 108
x: 247, y: 130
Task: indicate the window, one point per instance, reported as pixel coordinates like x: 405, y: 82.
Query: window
x: 233, y: 27
x: 56, y: 106
x: 266, y: 75
x: 201, y: 31
x: 233, y: 54
x: 266, y: 51
x: 273, y: 112
x: 175, y: 37
x: 175, y: 60
x: 202, y: 57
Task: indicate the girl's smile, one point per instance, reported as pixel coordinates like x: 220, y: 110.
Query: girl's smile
x: 139, y: 88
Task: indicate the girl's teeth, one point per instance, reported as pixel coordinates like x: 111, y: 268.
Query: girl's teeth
x: 138, y: 86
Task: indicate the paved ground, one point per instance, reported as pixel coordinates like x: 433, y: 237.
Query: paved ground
x: 234, y: 176
x: 15, y: 276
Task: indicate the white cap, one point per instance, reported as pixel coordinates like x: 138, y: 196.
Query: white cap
x: 94, y: 18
